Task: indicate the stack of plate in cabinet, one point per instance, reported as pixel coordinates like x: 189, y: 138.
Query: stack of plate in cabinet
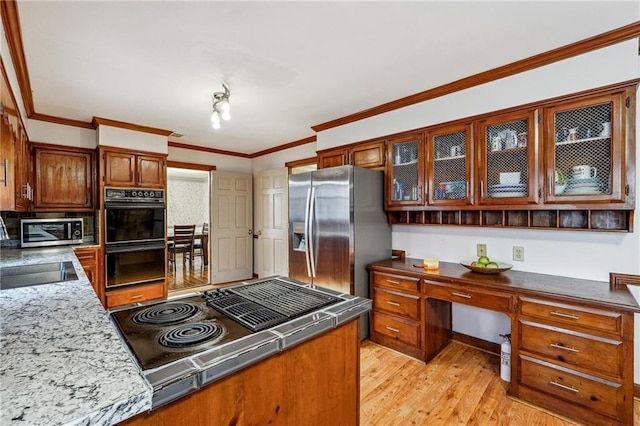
x: 583, y: 186
x: 508, y: 190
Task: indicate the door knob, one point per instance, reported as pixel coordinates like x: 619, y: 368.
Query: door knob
x: 259, y: 233
x: 249, y: 232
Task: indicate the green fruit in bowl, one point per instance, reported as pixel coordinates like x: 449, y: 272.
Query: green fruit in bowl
x: 482, y: 261
x: 493, y: 265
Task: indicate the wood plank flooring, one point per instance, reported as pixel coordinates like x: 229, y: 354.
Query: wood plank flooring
x: 460, y: 386
x: 186, y: 277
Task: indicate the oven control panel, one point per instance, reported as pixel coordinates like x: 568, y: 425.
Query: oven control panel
x: 132, y: 195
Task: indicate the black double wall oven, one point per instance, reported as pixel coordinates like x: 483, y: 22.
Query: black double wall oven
x: 135, y: 244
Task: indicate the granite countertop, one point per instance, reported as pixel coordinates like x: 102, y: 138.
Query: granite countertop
x: 61, y: 359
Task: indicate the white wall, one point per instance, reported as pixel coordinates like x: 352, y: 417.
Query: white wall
x: 58, y: 134
x: 590, y: 255
x: 222, y: 162
x: 131, y: 139
x: 278, y: 159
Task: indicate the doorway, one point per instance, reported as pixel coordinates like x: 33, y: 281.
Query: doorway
x: 188, y: 203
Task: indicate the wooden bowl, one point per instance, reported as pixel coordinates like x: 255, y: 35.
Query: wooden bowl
x: 490, y: 271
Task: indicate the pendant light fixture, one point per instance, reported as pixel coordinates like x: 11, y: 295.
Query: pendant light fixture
x: 221, y: 107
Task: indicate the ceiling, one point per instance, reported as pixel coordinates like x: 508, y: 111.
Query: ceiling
x: 290, y: 65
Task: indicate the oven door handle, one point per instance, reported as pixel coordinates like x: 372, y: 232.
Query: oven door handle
x: 122, y: 248
x: 134, y: 206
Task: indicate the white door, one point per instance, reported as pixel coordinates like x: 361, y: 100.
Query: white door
x: 231, y: 233
x: 271, y: 222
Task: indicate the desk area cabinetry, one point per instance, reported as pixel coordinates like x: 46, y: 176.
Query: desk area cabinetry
x: 572, y: 339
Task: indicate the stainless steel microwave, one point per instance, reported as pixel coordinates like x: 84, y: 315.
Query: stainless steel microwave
x: 51, y: 232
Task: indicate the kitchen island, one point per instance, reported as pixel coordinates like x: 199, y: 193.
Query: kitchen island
x: 61, y: 360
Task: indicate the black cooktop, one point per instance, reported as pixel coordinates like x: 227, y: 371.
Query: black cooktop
x: 167, y: 331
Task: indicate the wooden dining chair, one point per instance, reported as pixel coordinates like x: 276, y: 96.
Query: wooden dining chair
x: 199, y: 248
x: 182, y: 243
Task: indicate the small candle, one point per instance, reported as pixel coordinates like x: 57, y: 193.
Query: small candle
x: 430, y: 263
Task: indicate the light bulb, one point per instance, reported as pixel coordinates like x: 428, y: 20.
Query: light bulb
x: 226, y: 115
x: 225, y: 106
x: 215, y: 117
x: 215, y: 124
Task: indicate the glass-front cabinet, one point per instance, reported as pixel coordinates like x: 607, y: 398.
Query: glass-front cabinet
x: 405, y: 171
x: 584, y: 150
x: 507, y: 170
x: 449, y: 158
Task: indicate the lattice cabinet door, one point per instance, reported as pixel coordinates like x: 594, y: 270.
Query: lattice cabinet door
x: 449, y: 157
x: 405, y: 171
x: 508, y: 166
x: 584, y: 143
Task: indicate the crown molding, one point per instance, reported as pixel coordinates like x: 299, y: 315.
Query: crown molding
x: 99, y: 121
x: 12, y: 31
x: 207, y: 149
x: 587, y: 45
x: 293, y: 144
x: 192, y: 166
x: 61, y: 120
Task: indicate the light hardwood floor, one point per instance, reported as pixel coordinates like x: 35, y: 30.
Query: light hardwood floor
x: 186, y: 277
x: 460, y: 386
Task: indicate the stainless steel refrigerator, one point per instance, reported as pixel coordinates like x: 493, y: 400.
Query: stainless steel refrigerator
x: 337, y: 225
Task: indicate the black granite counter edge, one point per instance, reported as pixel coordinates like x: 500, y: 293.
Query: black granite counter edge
x: 530, y: 283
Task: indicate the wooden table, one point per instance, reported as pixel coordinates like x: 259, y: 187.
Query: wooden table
x: 197, y: 236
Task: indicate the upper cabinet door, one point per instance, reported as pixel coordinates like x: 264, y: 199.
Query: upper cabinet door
x: 151, y: 171
x: 507, y: 170
x: 405, y: 171
x: 449, y: 156
x: 332, y: 158
x: 119, y: 169
x: 64, y: 179
x: 585, y: 150
x: 369, y: 155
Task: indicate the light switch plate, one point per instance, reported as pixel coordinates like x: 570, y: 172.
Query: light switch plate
x: 481, y: 250
x: 518, y: 253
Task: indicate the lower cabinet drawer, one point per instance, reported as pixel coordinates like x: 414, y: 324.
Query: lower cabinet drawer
x: 134, y: 294
x: 406, y: 305
x: 480, y: 299
x: 396, y: 328
x: 595, y: 319
x: 571, y: 348
x: 588, y: 391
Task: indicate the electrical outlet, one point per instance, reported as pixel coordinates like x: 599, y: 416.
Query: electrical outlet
x: 481, y: 250
x: 518, y: 253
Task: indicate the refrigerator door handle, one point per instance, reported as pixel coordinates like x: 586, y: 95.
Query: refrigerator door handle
x: 310, y: 241
x: 306, y: 232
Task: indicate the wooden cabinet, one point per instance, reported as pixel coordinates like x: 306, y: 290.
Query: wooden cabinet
x: 90, y: 259
x: 450, y: 158
x: 405, y: 171
x: 574, y: 359
x: 585, y: 157
x: 396, y: 317
x: 64, y: 178
x: 135, y: 294
x: 507, y: 167
x: 121, y: 168
x: 16, y: 191
x: 572, y: 353
x: 368, y: 154
x: 563, y: 163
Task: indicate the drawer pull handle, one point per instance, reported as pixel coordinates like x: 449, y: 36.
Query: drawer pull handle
x: 389, y: 302
x: 565, y: 387
x: 393, y: 282
x: 395, y: 330
x: 137, y: 296
x: 466, y: 296
x: 566, y: 348
x: 563, y: 315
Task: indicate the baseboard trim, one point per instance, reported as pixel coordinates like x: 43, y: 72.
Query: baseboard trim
x: 484, y: 345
